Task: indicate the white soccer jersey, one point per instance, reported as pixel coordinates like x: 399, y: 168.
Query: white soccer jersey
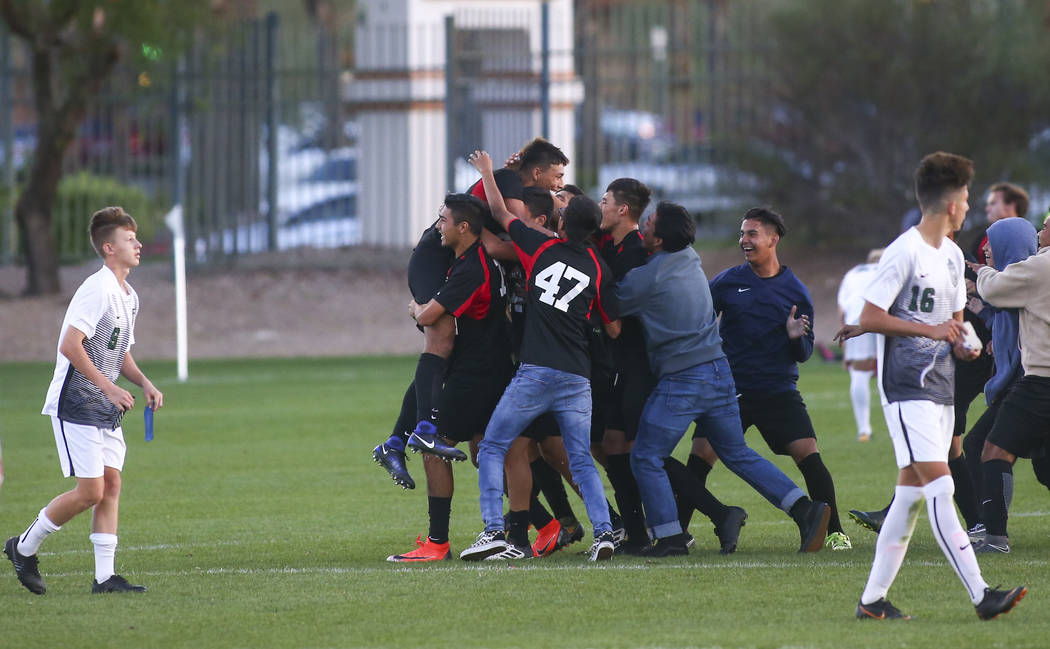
x: 851, y: 291
x: 106, y: 315
x: 917, y: 282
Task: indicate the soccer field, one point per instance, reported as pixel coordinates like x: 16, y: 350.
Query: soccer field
x: 258, y: 519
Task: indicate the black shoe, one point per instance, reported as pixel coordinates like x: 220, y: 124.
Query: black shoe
x: 996, y: 602
x: 728, y: 531
x: 812, y: 521
x: 634, y: 549
x: 670, y: 546
x: 116, y: 584
x: 425, y: 439
x: 869, y: 520
x: 992, y: 544
x: 569, y: 535
x: 25, y: 567
x: 393, y: 461
x: 880, y: 609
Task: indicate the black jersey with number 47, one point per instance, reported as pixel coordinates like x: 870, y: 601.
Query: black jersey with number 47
x: 568, y: 284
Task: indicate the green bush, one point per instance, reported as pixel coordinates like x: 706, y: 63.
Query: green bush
x: 79, y: 196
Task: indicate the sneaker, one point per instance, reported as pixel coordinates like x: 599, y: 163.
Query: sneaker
x: 728, y: 531
x: 838, y: 541
x: 487, y: 543
x: 992, y: 544
x: 425, y: 551
x: 996, y: 602
x: 813, y: 526
x: 547, y: 539
x: 116, y: 584
x: 976, y: 533
x: 869, y: 520
x: 603, y: 547
x: 863, y: 437
x: 568, y: 535
x: 619, y: 535
x: 880, y: 609
x: 424, y: 439
x: 393, y: 461
x: 670, y: 546
x: 512, y: 552
x: 25, y: 567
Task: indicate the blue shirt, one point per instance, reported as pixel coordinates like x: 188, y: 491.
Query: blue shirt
x: 753, y: 327
x: 669, y: 294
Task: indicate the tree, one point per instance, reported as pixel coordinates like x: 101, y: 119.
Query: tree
x: 74, y: 46
x: 862, y: 90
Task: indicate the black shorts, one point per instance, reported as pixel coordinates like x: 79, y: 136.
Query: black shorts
x: 542, y: 427
x: 466, y: 405
x: 1023, y: 423
x: 631, y: 389
x: 428, y: 266
x: 970, y: 378
x: 781, y: 418
x: 601, y: 397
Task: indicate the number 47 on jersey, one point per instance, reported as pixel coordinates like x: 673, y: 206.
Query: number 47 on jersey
x: 550, y: 278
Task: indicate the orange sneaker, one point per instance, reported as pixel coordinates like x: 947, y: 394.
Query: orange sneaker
x: 547, y: 539
x: 425, y: 551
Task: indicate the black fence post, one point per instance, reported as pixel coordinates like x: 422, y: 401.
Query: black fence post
x: 272, y: 153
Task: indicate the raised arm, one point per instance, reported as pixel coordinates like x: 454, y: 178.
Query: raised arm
x: 483, y: 163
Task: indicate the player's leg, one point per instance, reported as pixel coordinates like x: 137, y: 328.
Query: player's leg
x: 965, y: 495
x: 859, y: 356
x: 430, y: 376
x: 391, y: 454
x: 691, y: 495
x: 105, y: 519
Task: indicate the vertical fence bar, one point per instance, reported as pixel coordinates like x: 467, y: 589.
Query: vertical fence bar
x: 545, y: 69
x: 450, y: 104
x: 271, y: 130
x: 7, y: 132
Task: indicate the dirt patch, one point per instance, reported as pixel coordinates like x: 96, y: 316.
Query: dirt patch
x: 304, y: 303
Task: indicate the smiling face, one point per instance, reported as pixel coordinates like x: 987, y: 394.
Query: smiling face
x: 450, y: 233
x: 612, y: 212
x: 758, y: 241
x: 552, y: 178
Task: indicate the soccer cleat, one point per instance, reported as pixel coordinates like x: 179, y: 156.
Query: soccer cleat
x: 116, y: 584
x: 976, y: 533
x: 568, y: 536
x: 880, y: 609
x: 838, y: 541
x: 619, y: 533
x: 488, y: 543
x: 863, y: 437
x: 425, y: 551
x: 393, y: 461
x: 635, y: 549
x: 26, y: 568
x: 547, y: 539
x: 603, y: 547
x: 869, y: 520
x: 425, y: 439
x: 676, y: 545
x: 813, y: 526
x: 992, y: 544
x: 996, y: 602
x: 512, y: 552
x: 728, y: 531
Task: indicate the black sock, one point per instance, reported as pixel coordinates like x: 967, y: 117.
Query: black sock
x: 538, y: 514
x: 430, y: 374
x: 1041, y: 468
x: 796, y: 510
x: 440, y: 511
x: 998, y: 477
x: 518, y: 534
x: 614, y: 517
x: 965, y: 498
x: 692, y: 493
x: 406, y: 421
x: 821, y: 487
x: 629, y: 500
x: 547, y: 479
x: 972, y: 447
x: 699, y: 467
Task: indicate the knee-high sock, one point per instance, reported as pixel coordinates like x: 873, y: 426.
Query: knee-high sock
x: 406, y: 419
x: 965, y: 497
x: 430, y: 375
x: 860, y: 395
x: 892, y: 542
x: 105, y: 555
x: 952, y: 538
x: 38, y: 530
x: 692, y: 493
x: 440, y: 510
x: 821, y: 487
x: 550, y: 484
x: 628, y: 498
x: 998, y: 480
x: 972, y: 447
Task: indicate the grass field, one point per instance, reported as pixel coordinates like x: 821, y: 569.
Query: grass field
x: 258, y: 519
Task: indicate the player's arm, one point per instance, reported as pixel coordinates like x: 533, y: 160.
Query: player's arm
x: 483, y: 163
x: 878, y: 320
x: 426, y: 314
x: 130, y: 370
x: 72, y: 347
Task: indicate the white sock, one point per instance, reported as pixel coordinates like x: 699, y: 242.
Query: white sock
x: 860, y: 395
x: 951, y: 536
x: 892, y: 543
x: 105, y: 551
x: 38, y: 530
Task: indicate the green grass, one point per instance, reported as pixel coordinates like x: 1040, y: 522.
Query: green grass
x: 257, y: 519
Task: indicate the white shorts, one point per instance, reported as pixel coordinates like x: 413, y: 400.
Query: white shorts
x: 860, y: 348
x: 85, y: 451
x: 921, y: 431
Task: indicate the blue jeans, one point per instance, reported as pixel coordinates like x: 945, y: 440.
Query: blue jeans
x: 706, y: 394
x: 533, y: 391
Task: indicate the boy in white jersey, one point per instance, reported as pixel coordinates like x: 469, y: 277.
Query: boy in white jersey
x: 86, y: 405
x: 915, y: 302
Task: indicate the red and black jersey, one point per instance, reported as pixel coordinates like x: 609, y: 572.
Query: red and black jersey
x: 476, y: 294
x: 509, y: 184
x: 567, y: 283
x: 628, y: 351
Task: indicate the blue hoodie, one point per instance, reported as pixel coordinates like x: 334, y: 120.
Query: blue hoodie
x: 1012, y: 240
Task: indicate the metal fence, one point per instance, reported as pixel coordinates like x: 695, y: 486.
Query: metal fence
x: 250, y: 133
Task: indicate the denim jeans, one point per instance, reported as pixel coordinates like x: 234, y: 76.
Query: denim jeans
x: 706, y: 394
x: 533, y: 391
